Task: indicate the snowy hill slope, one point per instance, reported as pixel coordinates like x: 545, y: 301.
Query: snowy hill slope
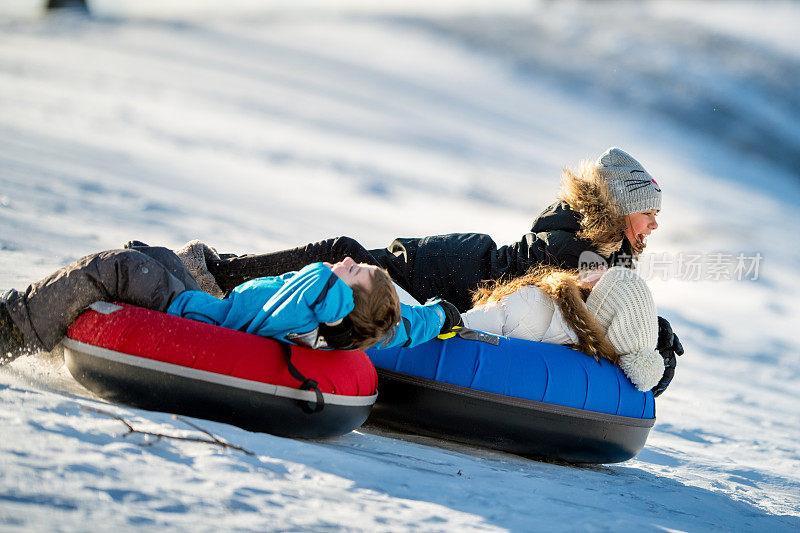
x: 256, y: 132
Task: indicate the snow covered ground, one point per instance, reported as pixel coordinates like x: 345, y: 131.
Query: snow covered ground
x: 261, y: 128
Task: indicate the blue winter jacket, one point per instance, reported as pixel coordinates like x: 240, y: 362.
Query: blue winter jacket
x: 288, y: 306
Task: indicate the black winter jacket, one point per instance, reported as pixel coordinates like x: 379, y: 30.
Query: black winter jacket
x: 452, y: 266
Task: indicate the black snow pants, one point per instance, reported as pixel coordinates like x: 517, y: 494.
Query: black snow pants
x: 46, y: 309
x: 231, y: 271
x: 450, y: 266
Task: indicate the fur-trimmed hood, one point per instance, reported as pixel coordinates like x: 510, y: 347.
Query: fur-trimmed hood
x: 589, y: 196
x: 549, y: 310
x: 528, y: 313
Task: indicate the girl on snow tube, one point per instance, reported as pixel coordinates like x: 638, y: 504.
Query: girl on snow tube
x: 607, y: 314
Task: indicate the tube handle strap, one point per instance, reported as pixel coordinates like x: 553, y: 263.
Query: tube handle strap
x: 305, y: 383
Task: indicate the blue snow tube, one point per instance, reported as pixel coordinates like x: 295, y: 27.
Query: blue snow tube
x: 524, y: 397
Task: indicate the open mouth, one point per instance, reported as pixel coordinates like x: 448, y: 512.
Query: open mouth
x: 641, y: 237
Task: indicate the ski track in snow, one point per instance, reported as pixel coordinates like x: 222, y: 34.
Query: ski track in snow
x: 260, y: 132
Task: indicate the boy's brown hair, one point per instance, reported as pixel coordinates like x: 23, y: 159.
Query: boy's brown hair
x: 376, y: 311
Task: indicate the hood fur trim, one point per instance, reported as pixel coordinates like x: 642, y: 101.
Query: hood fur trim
x: 562, y: 288
x: 567, y: 296
x: 588, y: 194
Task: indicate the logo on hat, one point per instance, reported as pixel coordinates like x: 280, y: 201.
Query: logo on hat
x: 656, y: 183
x: 637, y: 183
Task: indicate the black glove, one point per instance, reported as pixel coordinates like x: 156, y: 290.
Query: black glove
x: 340, y: 336
x: 452, y: 318
x: 668, y: 346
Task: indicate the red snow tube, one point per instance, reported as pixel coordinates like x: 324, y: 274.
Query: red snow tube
x: 161, y: 362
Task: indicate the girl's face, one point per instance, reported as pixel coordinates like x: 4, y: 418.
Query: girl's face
x: 353, y: 273
x: 638, y: 226
x: 587, y: 279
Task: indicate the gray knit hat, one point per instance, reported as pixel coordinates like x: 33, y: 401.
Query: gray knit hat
x: 633, y: 189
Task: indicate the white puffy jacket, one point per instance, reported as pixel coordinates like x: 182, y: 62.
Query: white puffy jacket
x: 527, y: 313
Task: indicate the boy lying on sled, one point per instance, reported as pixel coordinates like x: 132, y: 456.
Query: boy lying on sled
x: 343, y: 305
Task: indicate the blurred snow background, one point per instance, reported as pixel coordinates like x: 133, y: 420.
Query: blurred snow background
x: 262, y: 125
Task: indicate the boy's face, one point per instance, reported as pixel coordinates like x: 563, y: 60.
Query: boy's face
x: 640, y: 225
x: 353, y: 273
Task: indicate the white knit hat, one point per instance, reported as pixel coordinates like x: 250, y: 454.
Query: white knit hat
x: 633, y: 189
x: 624, y: 308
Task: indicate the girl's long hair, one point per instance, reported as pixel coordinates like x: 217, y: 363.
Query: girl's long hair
x: 562, y: 287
